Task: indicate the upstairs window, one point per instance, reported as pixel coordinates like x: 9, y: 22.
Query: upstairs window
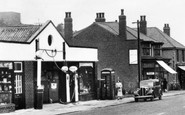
x: 157, y: 50
x: 183, y: 56
x: 146, y: 47
x: 177, y: 54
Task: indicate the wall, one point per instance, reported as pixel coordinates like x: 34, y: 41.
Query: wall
x: 29, y: 68
x: 113, y: 52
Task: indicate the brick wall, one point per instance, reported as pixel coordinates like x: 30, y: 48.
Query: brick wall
x: 29, y: 84
x: 113, y: 52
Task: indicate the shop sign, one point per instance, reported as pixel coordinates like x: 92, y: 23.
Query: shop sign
x: 133, y: 56
x: 150, y: 73
x: 85, y: 64
x: 53, y: 85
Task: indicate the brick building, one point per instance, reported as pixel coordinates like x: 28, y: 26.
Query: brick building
x: 171, y: 49
x: 117, y: 49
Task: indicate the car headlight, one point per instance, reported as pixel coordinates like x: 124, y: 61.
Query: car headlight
x: 149, y: 91
x: 136, y: 92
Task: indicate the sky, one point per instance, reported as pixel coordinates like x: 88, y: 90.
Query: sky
x: 83, y: 12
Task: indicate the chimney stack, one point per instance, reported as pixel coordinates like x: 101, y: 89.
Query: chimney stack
x: 10, y: 18
x: 68, y: 26
x: 122, y: 25
x: 143, y: 25
x: 166, y: 29
x: 100, y: 17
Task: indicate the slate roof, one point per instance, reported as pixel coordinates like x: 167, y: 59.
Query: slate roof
x: 169, y: 42
x: 20, y: 33
x: 113, y: 27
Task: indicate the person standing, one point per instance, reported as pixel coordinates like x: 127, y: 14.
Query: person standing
x: 119, y: 87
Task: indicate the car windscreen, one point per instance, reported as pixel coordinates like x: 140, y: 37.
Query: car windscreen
x: 146, y: 84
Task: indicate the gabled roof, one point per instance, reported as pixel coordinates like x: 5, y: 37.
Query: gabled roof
x: 21, y: 33
x: 169, y: 42
x: 113, y: 27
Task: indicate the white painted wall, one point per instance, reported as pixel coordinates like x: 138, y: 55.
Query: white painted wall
x: 24, y: 52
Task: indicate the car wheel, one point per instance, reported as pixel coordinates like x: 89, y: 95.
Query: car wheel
x: 136, y: 100
x: 160, y: 97
x: 152, y: 98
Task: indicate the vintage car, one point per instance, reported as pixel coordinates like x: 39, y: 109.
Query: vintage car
x: 149, y: 89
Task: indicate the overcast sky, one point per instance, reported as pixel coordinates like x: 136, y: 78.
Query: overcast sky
x: 158, y: 12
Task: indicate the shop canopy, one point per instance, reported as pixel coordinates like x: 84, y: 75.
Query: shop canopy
x: 182, y: 67
x: 166, y: 67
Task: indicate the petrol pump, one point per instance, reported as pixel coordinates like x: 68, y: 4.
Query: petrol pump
x: 70, y: 85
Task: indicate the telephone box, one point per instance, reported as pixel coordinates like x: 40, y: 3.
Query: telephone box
x: 107, y: 84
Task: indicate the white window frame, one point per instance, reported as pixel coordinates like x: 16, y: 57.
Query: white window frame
x: 18, y: 84
x: 18, y: 71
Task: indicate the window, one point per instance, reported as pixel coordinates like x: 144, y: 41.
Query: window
x: 157, y: 50
x: 177, y: 54
x: 18, y: 84
x: 146, y: 49
x: 183, y: 57
x: 17, y: 67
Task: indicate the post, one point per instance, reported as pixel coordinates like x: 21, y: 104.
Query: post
x: 76, y: 87
x: 67, y: 88
x: 39, y: 73
x: 39, y: 97
x: 139, y: 54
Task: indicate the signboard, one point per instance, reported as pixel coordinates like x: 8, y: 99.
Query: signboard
x: 133, y: 56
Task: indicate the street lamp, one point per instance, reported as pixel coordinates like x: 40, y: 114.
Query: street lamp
x: 138, y: 53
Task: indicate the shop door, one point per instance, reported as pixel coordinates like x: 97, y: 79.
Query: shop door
x: 18, y: 95
x: 50, y: 83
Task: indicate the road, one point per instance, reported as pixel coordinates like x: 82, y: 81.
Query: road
x: 173, y: 105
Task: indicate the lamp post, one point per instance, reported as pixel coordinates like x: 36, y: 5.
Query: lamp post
x: 138, y: 52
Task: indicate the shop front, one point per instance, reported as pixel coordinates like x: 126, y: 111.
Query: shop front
x: 43, y: 68
x: 156, y: 69
x: 181, y: 75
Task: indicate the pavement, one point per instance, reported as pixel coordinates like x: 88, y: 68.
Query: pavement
x: 57, y: 108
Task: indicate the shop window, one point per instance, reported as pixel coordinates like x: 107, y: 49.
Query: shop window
x: 85, y: 80
x: 18, y: 84
x: 17, y: 67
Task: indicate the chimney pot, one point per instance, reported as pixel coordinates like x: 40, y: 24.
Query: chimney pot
x: 100, y: 17
x: 122, y: 11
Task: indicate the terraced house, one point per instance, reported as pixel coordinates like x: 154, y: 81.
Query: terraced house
x: 117, y: 49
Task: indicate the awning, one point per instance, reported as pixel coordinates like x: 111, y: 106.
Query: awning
x: 182, y: 67
x: 166, y: 67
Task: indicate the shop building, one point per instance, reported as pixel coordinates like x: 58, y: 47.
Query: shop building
x: 117, y: 49
x: 36, y: 58
x: 173, y: 50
